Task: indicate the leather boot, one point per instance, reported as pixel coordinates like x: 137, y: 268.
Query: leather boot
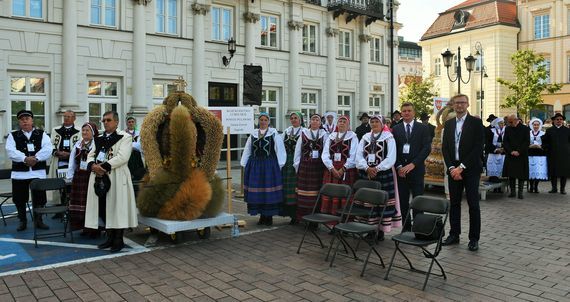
x: 118, y: 243
x: 109, y: 242
x: 536, y: 186
x: 513, y: 188
x: 23, y: 226
x: 521, y: 187
x: 38, y: 220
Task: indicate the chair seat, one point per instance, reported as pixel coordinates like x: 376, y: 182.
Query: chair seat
x: 321, y: 218
x: 410, y: 238
x: 6, y: 195
x: 357, y: 212
x: 51, y: 210
x: 356, y: 227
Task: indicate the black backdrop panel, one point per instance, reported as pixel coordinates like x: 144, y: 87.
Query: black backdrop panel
x: 252, y: 83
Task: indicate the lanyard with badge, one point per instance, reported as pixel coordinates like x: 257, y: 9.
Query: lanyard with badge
x: 313, y: 144
x: 30, y: 146
x: 338, y: 154
x: 406, y: 146
x: 373, y: 143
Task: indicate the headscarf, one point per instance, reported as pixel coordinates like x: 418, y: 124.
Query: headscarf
x: 93, y: 128
x: 495, y: 122
x: 347, y: 121
x: 381, y: 119
x: 534, y: 119
x: 300, y: 115
x: 326, y: 123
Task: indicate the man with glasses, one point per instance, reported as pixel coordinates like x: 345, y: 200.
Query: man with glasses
x: 110, y: 194
x: 557, y: 144
x: 462, y: 146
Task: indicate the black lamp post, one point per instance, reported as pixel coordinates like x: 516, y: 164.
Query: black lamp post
x: 469, y: 63
x: 231, y: 49
x: 483, y: 71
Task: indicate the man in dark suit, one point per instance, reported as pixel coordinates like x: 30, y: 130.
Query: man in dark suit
x: 364, y: 127
x: 413, y: 145
x: 462, y: 146
x: 425, y: 120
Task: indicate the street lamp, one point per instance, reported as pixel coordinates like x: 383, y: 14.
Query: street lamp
x: 231, y: 50
x: 479, y: 53
x: 469, y: 64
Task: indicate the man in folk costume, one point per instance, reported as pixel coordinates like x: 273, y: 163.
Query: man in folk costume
x: 330, y: 122
x: 515, y: 143
x: 557, y: 140
x: 537, y: 163
x: 495, y: 150
x: 63, y: 138
x: 110, y: 190
x: 28, y: 149
x: 136, y: 162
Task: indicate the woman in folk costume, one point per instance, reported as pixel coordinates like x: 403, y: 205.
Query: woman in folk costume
x: 78, y: 174
x: 330, y: 122
x: 537, y: 163
x: 495, y: 151
x: 339, y: 155
x: 290, y: 137
x: 375, y: 160
x: 263, y: 157
x: 309, y: 166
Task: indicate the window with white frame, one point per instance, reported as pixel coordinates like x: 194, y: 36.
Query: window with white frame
x: 270, y: 104
x: 104, y: 12
x: 309, y: 103
x: 269, y: 27
x: 28, y: 8
x: 376, y: 104
x: 28, y: 92
x: 167, y: 16
x: 478, y: 63
x: 102, y: 96
x: 541, y: 26
x: 310, y: 38
x: 161, y: 89
x: 377, y: 50
x: 344, y: 48
x: 344, y: 104
x: 222, y: 23
x: 437, y: 67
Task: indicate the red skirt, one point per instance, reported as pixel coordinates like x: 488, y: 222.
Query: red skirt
x: 333, y: 205
x: 78, y: 199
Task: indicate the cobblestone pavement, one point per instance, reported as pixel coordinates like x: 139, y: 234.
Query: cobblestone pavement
x: 523, y: 256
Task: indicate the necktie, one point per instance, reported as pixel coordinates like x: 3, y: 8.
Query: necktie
x: 408, y: 130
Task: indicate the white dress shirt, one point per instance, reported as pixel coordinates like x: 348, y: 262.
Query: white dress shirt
x: 458, y: 129
x: 18, y: 156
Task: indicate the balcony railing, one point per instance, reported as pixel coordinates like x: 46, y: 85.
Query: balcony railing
x: 315, y: 2
x: 373, y: 9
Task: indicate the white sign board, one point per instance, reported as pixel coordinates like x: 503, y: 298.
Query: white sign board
x: 239, y: 119
x: 439, y: 103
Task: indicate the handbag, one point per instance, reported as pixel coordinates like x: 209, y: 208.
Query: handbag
x: 427, y: 226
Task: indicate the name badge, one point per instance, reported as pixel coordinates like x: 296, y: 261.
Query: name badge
x: 406, y: 149
x: 371, y: 158
x: 83, y: 165
x: 337, y: 157
x: 315, y: 154
x: 31, y: 147
x: 101, y: 156
x: 66, y: 143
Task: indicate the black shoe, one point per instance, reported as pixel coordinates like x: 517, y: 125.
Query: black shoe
x: 450, y: 240
x: 563, y: 192
x: 473, y: 245
x: 109, y: 242
x: 553, y: 191
x: 269, y: 221
x: 23, y: 226
x: 380, y: 236
x: 40, y: 224
x: 261, y: 220
x: 293, y: 221
x: 118, y: 243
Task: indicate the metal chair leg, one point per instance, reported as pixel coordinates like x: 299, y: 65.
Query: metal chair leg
x: 391, y: 263
x: 330, y: 245
x: 335, y: 251
x: 428, y: 273
x: 303, y: 239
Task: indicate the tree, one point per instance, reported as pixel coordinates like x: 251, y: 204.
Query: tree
x: 531, y: 80
x: 420, y: 93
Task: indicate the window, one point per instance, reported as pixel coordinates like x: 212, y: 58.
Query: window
x: 344, y: 104
x: 541, y: 26
x: 376, y: 104
x: 27, y: 8
x: 269, y: 31
x: 102, y: 95
x: 269, y: 104
x: 30, y: 93
x: 166, y: 16
x: 437, y: 66
x: 161, y: 89
x: 310, y: 38
x: 344, y: 44
x: 221, y: 23
x: 103, y: 12
x: 454, y: 64
x: 309, y: 103
x: 377, y: 50
x: 408, y: 53
x: 566, y: 112
x: 546, y: 64
x: 543, y: 112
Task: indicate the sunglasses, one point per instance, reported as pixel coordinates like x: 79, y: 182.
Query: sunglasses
x: 106, y: 120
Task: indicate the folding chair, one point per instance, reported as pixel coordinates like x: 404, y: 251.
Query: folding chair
x: 51, y: 184
x: 5, y: 197
x: 330, y: 190
x: 425, y: 204
x: 376, y: 198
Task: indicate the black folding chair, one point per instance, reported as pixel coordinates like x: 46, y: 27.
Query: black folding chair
x: 429, y: 206
x: 51, y: 184
x: 6, y: 197
x: 315, y: 218
x: 362, y: 231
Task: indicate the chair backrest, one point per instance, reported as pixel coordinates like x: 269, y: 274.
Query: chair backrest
x: 372, y: 196
x: 48, y: 184
x: 366, y: 183
x: 336, y: 190
x: 430, y: 204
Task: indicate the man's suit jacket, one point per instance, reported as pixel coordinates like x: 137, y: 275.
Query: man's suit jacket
x: 470, y: 144
x: 420, y: 147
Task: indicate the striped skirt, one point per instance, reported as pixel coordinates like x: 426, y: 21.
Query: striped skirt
x: 78, y: 199
x: 334, y: 205
x: 289, y: 186
x: 263, y: 186
x: 309, y: 182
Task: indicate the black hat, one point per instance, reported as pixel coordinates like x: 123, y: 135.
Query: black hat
x: 396, y: 112
x: 364, y: 115
x: 558, y: 114
x: 491, y: 118
x: 24, y: 112
x: 102, y: 185
x: 424, y: 116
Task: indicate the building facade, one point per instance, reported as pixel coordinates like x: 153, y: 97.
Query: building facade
x: 409, y: 60
x: 487, y: 26
x: 545, y: 28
